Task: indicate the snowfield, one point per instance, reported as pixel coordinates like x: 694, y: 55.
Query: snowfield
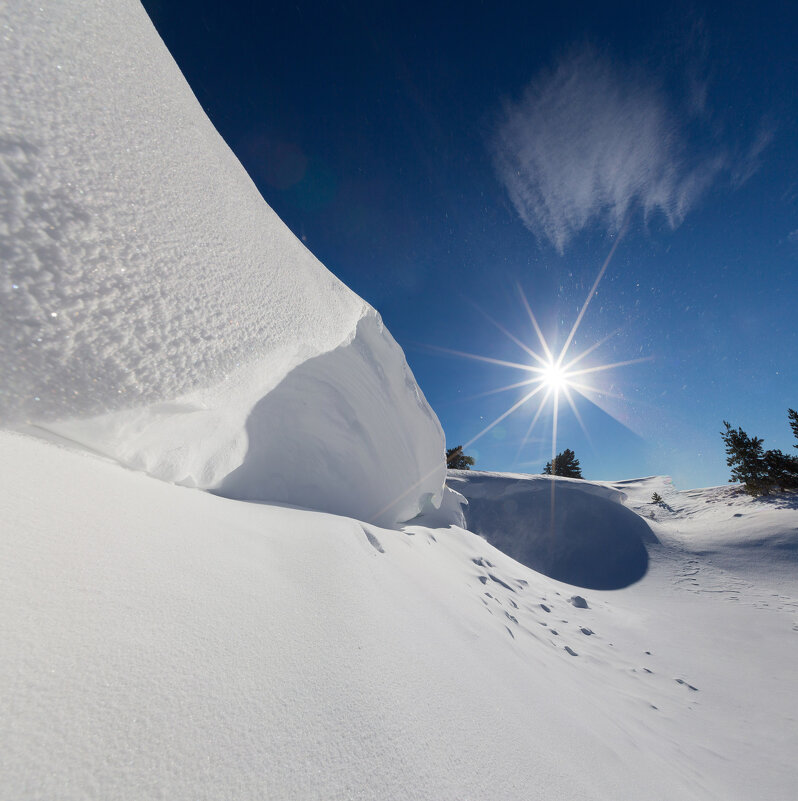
x: 163, y: 642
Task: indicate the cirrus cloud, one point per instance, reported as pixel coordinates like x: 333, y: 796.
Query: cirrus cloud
x: 588, y: 141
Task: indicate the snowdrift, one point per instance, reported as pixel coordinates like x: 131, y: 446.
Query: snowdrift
x: 574, y: 531
x: 160, y: 642
x: 155, y: 309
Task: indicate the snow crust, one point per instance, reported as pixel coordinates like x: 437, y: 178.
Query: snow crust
x: 151, y: 300
x: 165, y: 643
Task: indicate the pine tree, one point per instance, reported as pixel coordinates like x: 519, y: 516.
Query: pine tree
x: 565, y: 464
x: 782, y: 469
x: 457, y: 460
x: 656, y: 498
x: 746, y: 458
x: 792, y: 416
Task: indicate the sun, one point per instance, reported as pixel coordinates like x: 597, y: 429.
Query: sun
x: 554, y: 378
x: 549, y: 376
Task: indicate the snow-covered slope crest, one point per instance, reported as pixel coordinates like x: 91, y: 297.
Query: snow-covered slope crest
x: 151, y: 300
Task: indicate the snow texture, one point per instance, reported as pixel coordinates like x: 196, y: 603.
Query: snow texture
x: 160, y: 642
x: 151, y: 300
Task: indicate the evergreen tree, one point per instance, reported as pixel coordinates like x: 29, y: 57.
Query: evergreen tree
x: 746, y: 458
x: 656, y: 498
x: 782, y: 469
x: 565, y: 464
x: 760, y: 471
x: 457, y: 460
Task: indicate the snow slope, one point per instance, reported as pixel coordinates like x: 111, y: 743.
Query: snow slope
x: 161, y: 642
x: 155, y: 309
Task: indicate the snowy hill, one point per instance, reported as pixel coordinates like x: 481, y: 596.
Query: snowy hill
x: 164, y: 333
x: 163, y: 642
x: 156, y: 310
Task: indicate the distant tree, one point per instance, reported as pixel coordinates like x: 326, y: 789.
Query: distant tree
x: 656, y: 498
x: 565, y: 464
x: 792, y: 416
x: 457, y: 460
x: 746, y: 458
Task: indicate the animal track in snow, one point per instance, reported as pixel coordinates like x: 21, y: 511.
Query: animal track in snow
x: 373, y: 541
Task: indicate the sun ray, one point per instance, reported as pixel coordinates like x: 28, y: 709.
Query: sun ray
x: 506, y: 414
x: 503, y: 389
x: 532, y: 425
x: 528, y: 368
x: 601, y: 367
x: 567, y: 393
x: 590, y: 350
x: 510, y: 336
x: 584, y: 388
x: 532, y: 317
x: 590, y: 295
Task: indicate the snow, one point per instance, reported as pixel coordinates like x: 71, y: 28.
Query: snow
x: 164, y: 333
x: 570, y: 530
x: 160, y: 641
x: 156, y: 310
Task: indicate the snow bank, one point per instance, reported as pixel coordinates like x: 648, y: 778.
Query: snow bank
x: 163, y: 643
x: 151, y: 300
x: 575, y: 531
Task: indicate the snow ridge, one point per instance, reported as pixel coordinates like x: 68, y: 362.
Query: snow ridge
x: 151, y: 300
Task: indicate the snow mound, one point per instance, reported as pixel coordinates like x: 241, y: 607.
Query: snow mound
x: 571, y: 530
x: 150, y: 298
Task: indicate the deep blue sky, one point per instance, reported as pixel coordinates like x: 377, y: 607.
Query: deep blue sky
x: 434, y: 156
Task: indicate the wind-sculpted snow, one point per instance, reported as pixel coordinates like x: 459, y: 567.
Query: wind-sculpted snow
x: 571, y: 530
x: 160, y: 643
x: 149, y: 297
x: 322, y: 440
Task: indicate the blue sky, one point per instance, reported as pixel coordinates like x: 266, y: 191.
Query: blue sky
x: 437, y: 157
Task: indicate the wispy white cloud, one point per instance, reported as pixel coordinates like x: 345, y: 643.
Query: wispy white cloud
x: 588, y: 141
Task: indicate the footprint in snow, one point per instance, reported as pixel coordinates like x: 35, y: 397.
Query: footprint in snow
x: 684, y: 683
x: 571, y: 650
x: 578, y: 601
x: 482, y: 562
x: 586, y: 631
x: 500, y: 582
x: 545, y: 608
x: 373, y: 541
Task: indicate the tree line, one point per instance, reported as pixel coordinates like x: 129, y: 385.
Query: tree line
x: 760, y: 471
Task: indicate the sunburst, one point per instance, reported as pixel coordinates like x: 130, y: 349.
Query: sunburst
x: 551, y: 378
